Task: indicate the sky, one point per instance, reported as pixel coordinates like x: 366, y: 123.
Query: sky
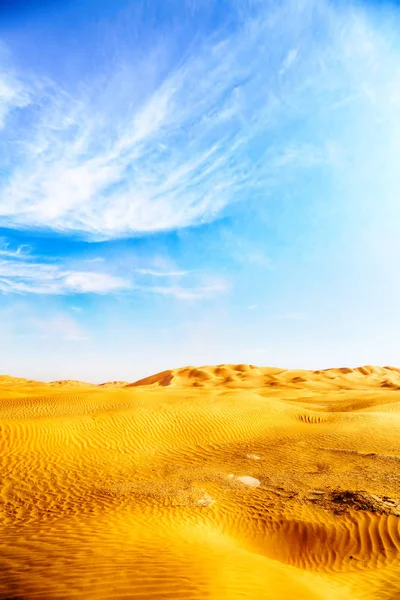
x: 198, y: 182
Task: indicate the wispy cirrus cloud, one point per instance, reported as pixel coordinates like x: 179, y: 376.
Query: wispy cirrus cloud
x: 203, y: 290
x: 22, y: 272
x: 13, y: 95
x: 115, y: 157
x: 159, y: 273
x: 7, y: 251
x: 44, y: 278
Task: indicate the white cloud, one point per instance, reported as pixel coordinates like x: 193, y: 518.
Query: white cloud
x: 18, y: 275
x: 77, y: 309
x: 22, y: 272
x: 91, y: 172
x: 12, y: 95
x: 289, y: 60
x: 156, y: 273
x: 83, y: 282
x: 125, y: 156
x: 21, y: 252
x: 208, y: 288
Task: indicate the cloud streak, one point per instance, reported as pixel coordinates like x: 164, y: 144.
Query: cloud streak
x: 156, y: 273
x: 24, y: 273
x: 13, y: 95
x: 21, y: 272
x: 116, y: 158
x: 202, y: 291
x: 43, y: 278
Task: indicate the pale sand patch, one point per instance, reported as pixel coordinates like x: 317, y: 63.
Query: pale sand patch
x: 248, y: 480
x: 253, y: 456
x: 205, y: 500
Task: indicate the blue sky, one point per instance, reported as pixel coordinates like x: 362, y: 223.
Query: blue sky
x: 196, y: 183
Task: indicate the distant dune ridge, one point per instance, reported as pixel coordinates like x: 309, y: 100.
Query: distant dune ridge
x: 243, y: 375
x: 218, y: 482
x: 250, y: 376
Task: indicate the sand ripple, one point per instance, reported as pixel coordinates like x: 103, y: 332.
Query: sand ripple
x: 219, y: 482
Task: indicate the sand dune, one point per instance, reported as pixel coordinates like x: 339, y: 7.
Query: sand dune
x: 223, y: 482
x: 253, y: 377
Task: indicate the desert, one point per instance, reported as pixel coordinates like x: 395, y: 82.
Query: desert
x: 219, y: 482
x: 199, y: 306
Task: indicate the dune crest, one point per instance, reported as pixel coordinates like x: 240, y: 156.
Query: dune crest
x: 240, y: 375
x: 250, y: 376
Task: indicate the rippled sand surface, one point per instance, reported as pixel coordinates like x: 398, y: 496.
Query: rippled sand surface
x: 229, y: 482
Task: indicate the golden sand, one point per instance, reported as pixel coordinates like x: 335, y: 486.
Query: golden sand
x: 229, y: 482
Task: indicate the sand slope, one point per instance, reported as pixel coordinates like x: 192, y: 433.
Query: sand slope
x: 221, y: 482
